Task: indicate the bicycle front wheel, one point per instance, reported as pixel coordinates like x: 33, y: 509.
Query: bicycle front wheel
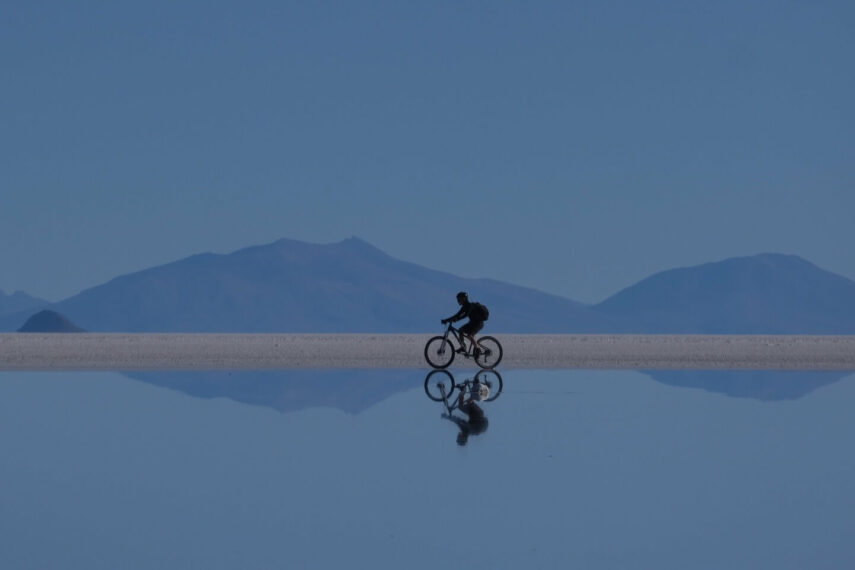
x: 490, y: 354
x: 439, y: 352
x: 436, y: 382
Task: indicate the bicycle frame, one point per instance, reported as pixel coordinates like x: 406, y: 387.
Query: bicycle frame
x: 461, y: 340
x: 466, y: 388
x: 449, y: 407
x: 440, y: 388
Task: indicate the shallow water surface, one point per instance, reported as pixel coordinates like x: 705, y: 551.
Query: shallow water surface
x: 331, y: 469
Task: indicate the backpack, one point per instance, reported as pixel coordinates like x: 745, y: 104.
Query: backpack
x: 479, y: 312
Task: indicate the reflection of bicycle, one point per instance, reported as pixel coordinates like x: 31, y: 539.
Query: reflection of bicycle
x: 440, y: 351
x: 439, y: 384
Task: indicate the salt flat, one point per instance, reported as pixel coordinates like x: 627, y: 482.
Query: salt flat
x: 118, y: 351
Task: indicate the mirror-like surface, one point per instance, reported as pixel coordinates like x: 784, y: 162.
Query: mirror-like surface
x: 321, y: 469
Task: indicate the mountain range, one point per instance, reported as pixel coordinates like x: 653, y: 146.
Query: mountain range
x: 19, y: 302
x: 763, y: 294
x: 352, y: 287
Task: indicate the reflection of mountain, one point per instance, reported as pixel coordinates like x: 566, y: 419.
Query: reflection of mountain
x: 351, y: 391
x: 766, y: 385
x: 354, y: 391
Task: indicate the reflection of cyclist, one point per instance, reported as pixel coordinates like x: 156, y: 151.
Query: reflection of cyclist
x: 477, y: 422
x: 476, y: 319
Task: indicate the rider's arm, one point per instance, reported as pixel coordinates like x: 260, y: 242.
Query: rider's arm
x: 461, y: 314
x: 456, y: 316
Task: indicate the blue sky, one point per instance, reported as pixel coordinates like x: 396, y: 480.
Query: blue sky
x: 575, y: 147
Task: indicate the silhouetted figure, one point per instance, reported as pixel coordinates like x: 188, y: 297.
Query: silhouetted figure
x: 477, y: 314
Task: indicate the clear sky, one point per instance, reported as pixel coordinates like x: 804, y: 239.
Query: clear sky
x: 575, y: 147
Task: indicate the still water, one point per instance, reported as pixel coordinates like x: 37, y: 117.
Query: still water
x: 334, y: 469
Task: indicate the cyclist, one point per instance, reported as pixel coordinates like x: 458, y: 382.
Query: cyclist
x: 475, y: 324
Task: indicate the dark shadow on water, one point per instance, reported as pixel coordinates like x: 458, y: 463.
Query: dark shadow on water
x: 764, y: 385
x: 351, y: 391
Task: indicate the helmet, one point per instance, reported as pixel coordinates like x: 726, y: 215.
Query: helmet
x: 463, y: 295
x: 480, y: 391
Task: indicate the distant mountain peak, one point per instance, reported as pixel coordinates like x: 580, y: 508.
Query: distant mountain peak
x: 759, y: 260
x: 769, y: 259
x: 356, y: 244
x: 768, y: 293
x: 289, y: 249
x: 19, y: 301
x: 293, y: 286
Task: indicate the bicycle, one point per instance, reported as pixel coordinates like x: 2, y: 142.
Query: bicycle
x: 440, y: 351
x: 439, y: 389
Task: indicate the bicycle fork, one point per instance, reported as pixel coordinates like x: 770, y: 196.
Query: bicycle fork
x: 444, y: 397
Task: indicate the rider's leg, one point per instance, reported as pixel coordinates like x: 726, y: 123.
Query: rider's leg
x: 462, y: 340
x: 463, y: 335
x: 473, y: 343
x: 473, y: 330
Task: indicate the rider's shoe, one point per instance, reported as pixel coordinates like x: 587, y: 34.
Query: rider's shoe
x: 460, y: 351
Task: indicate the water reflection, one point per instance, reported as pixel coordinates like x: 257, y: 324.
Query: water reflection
x: 764, y: 385
x: 470, y: 418
x: 439, y: 384
x: 354, y: 391
x: 102, y: 472
x: 351, y: 391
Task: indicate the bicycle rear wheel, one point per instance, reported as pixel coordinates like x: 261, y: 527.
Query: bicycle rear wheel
x: 439, y: 352
x: 493, y: 380
x: 434, y: 380
x: 490, y: 354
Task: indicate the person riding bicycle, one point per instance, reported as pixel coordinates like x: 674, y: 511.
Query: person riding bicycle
x: 476, y: 320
